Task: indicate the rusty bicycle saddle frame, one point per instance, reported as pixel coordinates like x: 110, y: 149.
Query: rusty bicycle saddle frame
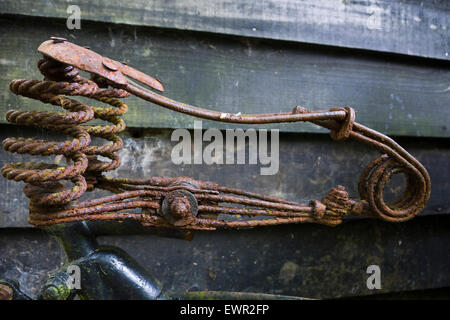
x: 180, y: 203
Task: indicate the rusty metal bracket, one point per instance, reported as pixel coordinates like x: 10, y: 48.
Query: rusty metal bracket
x: 82, y: 58
x: 180, y: 203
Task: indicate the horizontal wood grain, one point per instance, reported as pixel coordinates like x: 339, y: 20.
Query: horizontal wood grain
x: 417, y: 28
x: 390, y: 94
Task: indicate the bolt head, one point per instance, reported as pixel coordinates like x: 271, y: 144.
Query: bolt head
x: 50, y: 293
x: 6, y: 292
x: 179, y: 207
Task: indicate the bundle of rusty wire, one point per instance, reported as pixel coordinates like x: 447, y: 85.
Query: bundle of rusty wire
x: 182, y: 202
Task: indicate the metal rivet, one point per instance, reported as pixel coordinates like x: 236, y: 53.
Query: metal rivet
x: 109, y: 64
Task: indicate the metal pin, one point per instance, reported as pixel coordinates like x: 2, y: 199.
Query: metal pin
x: 58, y: 39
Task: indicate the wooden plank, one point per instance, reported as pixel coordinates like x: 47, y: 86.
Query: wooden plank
x: 391, y: 95
x: 309, y: 166
x: 416, y: 28
x: 308, y: 260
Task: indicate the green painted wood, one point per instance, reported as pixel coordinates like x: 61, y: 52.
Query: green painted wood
x: 391, y: 95
x: 416, y: 27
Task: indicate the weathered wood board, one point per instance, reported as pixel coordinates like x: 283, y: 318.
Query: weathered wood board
x: 309, y: 166
x: 392, y: 95
x: 308, y: 260
x: 408, y: 27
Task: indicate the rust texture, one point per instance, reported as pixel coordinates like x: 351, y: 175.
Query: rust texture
x: 6, y: 292
x: 184, y: 203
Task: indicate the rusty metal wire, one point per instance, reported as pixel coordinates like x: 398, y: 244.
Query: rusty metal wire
x: 182, y: 202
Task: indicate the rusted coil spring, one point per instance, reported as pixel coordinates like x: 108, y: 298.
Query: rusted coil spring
x: 179, y: 202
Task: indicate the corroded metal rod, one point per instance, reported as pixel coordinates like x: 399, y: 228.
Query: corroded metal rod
x: 182, y: 203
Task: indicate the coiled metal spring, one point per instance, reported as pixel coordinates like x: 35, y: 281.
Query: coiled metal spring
x: 60, y: 81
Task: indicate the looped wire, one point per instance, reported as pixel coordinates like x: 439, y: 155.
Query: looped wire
x: 372, y: 184
x: 346, y: 126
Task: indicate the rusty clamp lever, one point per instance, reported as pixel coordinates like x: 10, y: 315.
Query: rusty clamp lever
x: 183, y: 202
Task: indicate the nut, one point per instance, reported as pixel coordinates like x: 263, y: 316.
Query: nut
x: 179, y: 207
